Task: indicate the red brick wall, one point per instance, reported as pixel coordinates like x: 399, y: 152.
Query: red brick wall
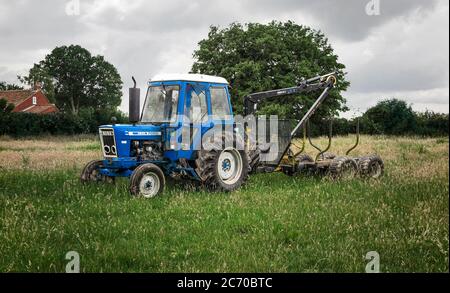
x: 41, y: 100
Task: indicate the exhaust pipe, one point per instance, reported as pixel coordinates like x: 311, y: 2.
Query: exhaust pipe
x: 134, y: 103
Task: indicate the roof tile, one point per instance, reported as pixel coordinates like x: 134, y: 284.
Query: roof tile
x: 16, y: 96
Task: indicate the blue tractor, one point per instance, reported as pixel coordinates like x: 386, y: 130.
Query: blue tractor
x: 186, y: 130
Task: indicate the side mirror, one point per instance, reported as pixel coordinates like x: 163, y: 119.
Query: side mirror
x: 134, y: 103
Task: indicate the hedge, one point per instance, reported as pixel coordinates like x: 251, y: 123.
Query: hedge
x: 27, y: 124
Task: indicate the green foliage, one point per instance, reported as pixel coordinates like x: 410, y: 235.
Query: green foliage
x: 5, y: 107
x: 432, y: 124
x: 257, y: 57
x: 391, y: 116
x: 340, y: 126
x: 27, y: 124
x: 9, y: 86
x: 39, y: 73
x: 75, y: 79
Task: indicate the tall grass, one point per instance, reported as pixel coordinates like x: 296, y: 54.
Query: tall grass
x: 275, y: 223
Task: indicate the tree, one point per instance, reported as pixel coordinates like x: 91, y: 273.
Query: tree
x: 40, y: 74
x: 257, y: 57
x: 432, y: 124
x: 9, y: 86
x: 75, y: 79
x: 391, y: 116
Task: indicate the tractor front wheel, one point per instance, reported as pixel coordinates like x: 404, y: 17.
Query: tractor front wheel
x: 147, y: 181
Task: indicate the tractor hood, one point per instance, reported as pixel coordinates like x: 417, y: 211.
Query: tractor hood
x: 117, y: 143
x: 135, y: 132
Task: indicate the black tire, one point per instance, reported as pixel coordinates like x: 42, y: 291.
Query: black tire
x: 371, y: 166
x: 288, y: 170
x: 304, y: 158
x: 254, y: 155
x: 301, y: 168
x: 343, y: 168
x: 327, y: 156
x: 207, y: 164
x: 90, y: 173
x: 147, y: 181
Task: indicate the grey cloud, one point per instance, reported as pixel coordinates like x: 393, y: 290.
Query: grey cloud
x: 36, y: 22
x: 407, y: 44
x: 435, y: 100
x: 345, y: 19
x: 410, y: 54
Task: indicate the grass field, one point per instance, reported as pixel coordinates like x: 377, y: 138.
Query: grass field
x: 273, y: 224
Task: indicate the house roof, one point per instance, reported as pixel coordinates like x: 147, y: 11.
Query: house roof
x: 16, y: 96
x: 41, y: 109
x: 189, y: 77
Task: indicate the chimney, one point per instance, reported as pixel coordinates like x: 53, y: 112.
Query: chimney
x: 37, y: 86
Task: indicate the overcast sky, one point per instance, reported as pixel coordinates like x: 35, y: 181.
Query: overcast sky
x: 399, y: 48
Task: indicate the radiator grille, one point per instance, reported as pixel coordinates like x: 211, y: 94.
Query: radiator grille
x: 108, y: 142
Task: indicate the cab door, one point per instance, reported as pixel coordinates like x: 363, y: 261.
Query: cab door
x: 196, y: 117
x: 221, y: 111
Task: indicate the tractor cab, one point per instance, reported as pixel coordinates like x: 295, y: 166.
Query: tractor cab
x: 186, y: 106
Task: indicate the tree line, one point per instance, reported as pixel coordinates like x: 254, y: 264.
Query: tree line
x: 388, y: 117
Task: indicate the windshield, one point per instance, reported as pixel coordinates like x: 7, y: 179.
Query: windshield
x: 161, y: 104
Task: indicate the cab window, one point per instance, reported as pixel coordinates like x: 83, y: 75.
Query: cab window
x: 219, y: 103
x: 198, y: 110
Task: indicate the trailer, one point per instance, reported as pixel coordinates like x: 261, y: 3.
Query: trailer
x: 291, y: 162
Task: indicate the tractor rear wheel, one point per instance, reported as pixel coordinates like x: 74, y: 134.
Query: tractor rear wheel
x: 147, y: 180
x: 371, y: 166
x: 343, y: 168
x: 91, y: 173
x: 253, y: 153
x: 253, y: 159
x: 223, y: 169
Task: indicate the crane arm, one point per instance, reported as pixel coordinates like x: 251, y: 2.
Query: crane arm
x: 323, y: 82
